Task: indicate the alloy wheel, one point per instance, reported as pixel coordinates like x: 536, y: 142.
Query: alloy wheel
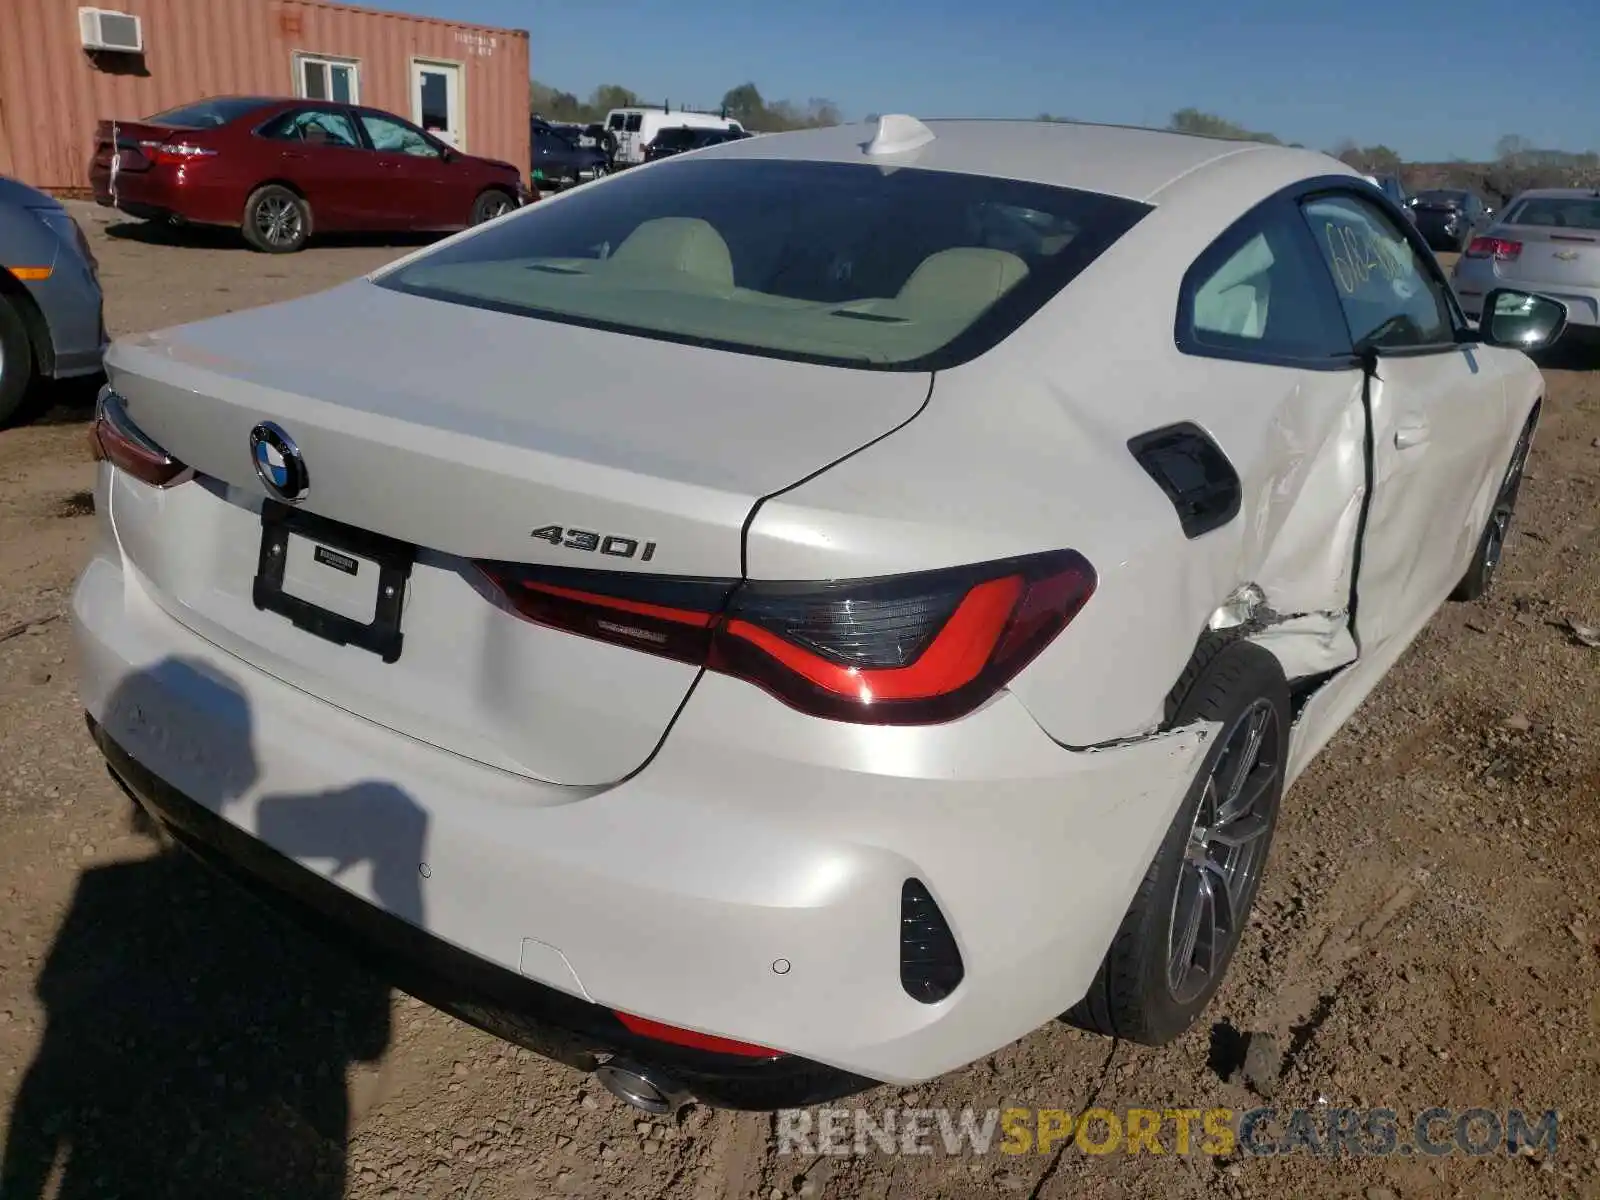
x: 278, y: 221
x: 1225, y: 851
x: 1505, y: 503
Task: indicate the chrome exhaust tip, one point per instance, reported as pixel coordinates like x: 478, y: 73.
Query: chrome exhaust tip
x: 644, y: 1088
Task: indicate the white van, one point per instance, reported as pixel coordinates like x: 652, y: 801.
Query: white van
x: 635, y: 128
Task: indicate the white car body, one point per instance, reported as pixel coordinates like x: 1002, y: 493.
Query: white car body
x: 636, y: 128
x: 647, y: 836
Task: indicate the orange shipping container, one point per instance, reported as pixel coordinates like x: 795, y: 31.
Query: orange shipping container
x: 468, y: 83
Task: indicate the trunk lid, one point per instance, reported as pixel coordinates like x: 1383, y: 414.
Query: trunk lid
x: 110, y: 137
x: 463, y: 432
x: 1558, y: 255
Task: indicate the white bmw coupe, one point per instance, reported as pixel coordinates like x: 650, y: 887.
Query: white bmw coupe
x: 806, y: 612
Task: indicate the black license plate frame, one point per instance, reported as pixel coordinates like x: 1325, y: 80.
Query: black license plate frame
x: 383, y: 635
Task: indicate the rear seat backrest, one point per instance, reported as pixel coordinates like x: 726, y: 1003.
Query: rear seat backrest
x: 683, y: 244
x: 960, y: 282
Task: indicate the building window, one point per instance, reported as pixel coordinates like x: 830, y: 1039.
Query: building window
x: 319, y: 78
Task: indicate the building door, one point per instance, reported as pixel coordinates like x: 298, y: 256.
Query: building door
x: 436, y: 101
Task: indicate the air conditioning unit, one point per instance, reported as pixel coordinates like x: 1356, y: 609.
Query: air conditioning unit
x: 103, y: 29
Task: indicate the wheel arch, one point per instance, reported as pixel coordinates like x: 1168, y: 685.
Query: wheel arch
x: 287, y: 185
x: 33, y: 321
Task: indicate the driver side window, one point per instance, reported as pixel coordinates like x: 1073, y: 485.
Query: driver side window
x: 1388, y: 295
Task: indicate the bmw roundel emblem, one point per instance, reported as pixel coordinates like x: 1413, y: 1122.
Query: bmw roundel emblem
x: 278, y: 463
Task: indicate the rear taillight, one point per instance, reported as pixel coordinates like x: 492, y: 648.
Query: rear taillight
x: 175, y: 153
x: 114, y: 438
x: 1499, y: 249
x: 899, y: 650
x: 666, y: 616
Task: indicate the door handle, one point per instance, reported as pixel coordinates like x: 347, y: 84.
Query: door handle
x: 1407, y: 437
x: 293, y: 154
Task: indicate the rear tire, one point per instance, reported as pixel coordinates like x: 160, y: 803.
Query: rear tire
x: 491, y: 204
x: 276, y: 220
x: 1174, y: 945
x: 16, y: 363
x: 1492, y: 542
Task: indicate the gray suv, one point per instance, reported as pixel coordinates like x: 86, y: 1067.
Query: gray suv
x: 51, y: 320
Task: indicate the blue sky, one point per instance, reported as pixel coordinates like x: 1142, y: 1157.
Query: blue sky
x: 1432, y: 78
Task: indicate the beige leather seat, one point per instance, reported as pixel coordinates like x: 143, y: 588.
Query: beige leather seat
x: 682, y: 244
x: 960, y: 282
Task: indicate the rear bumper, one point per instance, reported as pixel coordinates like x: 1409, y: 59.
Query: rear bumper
x: 557, y: 1025
x: 746, y: 883
x: 1475, y: 278
x: 165, y: 193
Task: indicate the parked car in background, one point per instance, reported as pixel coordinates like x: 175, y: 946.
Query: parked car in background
x: 759, y: 722
x: 632, y: 129
x: 677, y: 141
x: 280, y: 170
x: 559, y: 159
x: 51, y: 323
x: 1447, y: 217
x: 1391, y: 187
x: 1545, y: 241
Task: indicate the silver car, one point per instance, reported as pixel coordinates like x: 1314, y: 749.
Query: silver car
x: 51, y: 323
x: 1546, y: 241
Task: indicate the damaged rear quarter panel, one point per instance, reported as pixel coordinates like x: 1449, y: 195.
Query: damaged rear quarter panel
x: 1025, y: 449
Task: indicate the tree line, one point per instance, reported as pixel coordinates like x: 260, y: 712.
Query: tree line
x: 744, y: 104
x: 1518, y: 164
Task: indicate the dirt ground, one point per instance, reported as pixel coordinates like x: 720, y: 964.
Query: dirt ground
x: 1427, y: 933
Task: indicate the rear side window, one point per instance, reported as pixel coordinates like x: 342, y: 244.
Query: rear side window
x: 209, y: 114
x: 316, y: 127
x: 1259, y: 294
x: 1557, y: 212
x: 633, y: 122
x: 830, y: 262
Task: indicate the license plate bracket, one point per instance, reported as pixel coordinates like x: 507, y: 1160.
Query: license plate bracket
x: 382, y: 635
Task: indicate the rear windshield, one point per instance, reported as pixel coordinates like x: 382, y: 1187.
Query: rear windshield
x: 1441, y: 197
x: 1561, y: 212
x: 208, y: 114
x: 829, y: 262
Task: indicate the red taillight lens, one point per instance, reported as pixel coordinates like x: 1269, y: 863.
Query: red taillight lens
x: 175, y: 153
x: 660, y: 1032
x: 1499, y: 249
x: 903, y: 650
x: 907, y: 650
x: 114, y: 438
x: 666, y: 616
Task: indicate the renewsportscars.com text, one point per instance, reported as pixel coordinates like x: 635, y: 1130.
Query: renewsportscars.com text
x: 1216, y: 1132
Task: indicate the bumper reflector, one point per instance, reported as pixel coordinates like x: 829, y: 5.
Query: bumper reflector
x: 645, y: 1027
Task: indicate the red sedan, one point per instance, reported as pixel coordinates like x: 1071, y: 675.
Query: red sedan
x: 281, y: 170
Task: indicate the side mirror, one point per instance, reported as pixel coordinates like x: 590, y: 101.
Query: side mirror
x: 1521, y: 320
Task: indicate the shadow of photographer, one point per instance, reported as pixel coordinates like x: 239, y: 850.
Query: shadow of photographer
x: 196, y: 1044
